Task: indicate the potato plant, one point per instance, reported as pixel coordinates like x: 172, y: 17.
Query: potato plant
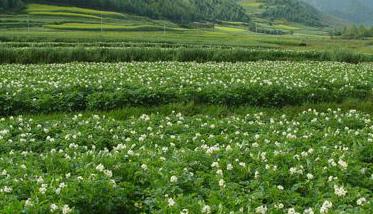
x: 104, y: 86
x: 260, y: 162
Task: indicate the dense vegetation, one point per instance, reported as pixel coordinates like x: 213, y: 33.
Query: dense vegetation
x: 254, y: 162
x: 355, y: 32
x: 193, y: 126
x: 176, y: 10
x: 87, y: 86
x: 42, y: 55
x: 140, y: 146
x: 6, y: 5
x: 292, y: 10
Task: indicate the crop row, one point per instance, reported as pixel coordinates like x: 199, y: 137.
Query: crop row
x: 311, y: 162
x: 108, y: 45
x: 43, y: 55
x: 92, y: 86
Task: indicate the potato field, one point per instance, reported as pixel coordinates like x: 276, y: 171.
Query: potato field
x: 105, y: 138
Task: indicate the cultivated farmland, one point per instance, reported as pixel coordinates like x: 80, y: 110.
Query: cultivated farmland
x: 103, y: 86
x: 213, y: 160
x: 184, y: 107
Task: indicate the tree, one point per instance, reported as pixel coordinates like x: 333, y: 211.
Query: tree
x: 354, y: 32
x: 6, y: 5
x: 183, y: 11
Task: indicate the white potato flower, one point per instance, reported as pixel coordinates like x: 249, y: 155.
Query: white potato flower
x: 173, y: 179
x: 100, y: 168
x: 339, y: 191
x: 206, y: 209
x: 171, y: 202
x: 361, y: 201
x: 261, y: 209
x: 326, y: 206
x: 53, y: 208
x: 66, y: 209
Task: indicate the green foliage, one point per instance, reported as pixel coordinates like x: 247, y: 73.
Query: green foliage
x: 57, y: 54
x: 91, y: 86
x: 254, y: 28
x: 292, y: 10
x: 37, y: 8
x: 131, y: 162
x: 340, y: 55
x: 177, y: 10
x: 109, y: 27
x: 354, y: 32
x: 6, y: 5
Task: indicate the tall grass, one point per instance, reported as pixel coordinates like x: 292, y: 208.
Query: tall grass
x: 97, y: 54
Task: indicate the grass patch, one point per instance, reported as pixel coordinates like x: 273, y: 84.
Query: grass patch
x: 108, y: 27
x: 230, y: 29
x: 67, y: 14
x: 54, y: 9
x: 285, y: 27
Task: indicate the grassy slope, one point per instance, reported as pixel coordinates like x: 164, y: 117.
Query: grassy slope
x: 41, y: 17
x: 60, y: 17
x: 254, y: 8
x: 32, y: 8
x: 108, y: 27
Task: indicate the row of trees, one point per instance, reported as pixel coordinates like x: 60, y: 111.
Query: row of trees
x: 177, y: 10
x: 353, y: 32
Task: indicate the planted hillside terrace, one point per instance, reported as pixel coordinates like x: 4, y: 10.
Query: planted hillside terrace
x: 175, y: 10
x: 104, y: 86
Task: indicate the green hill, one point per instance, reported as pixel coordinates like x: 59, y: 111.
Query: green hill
x: 41, y: 17
x: 292, y: 10
x: 286, y: 17
x: 244, y: 17
x: 182, y: 11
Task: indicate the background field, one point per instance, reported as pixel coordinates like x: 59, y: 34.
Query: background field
x: 46, y: 23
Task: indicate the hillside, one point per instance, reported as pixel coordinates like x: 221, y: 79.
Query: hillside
x: 42, y: 17
x: 176, y: 10
x: 275, y: 17
x: 292, y: 10
x: 356, y: 11
x: 285, y: 17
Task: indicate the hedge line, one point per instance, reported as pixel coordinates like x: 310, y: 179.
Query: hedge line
x: 94, y: 100
x: 97, y: 54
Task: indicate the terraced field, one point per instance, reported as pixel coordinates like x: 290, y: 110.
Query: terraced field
x: 42, y: 17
